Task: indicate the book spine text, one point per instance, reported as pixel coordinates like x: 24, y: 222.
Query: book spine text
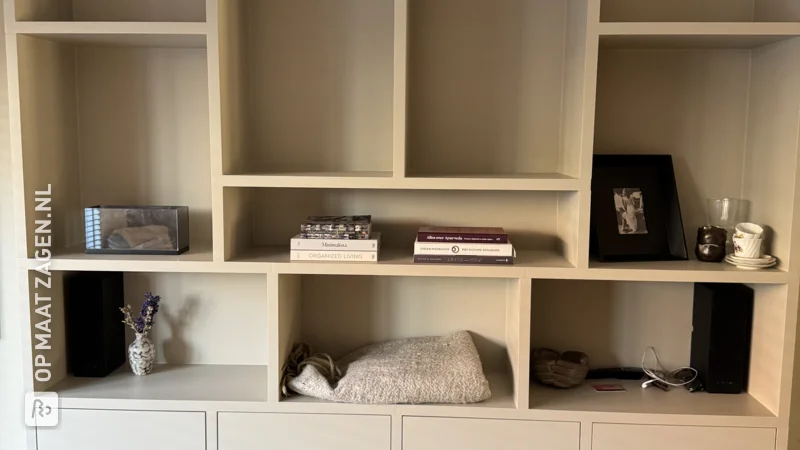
x: 325, y: 255
x: 431, y: 259
x: 350, y: 245
x: 468, y: 238
x: 465, y: 249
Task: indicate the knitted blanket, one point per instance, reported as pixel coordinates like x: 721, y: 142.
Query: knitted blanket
x: 419, y: 370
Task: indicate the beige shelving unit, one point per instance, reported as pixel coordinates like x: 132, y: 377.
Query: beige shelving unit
x: 257, y: 113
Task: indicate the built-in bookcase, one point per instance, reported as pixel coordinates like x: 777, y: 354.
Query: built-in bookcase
x: 256, y: 114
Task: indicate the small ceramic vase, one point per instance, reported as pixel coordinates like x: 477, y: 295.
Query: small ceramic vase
x: 141, y: 355
x: 710, y: 244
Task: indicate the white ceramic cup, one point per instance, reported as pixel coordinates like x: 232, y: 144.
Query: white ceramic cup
x: 748, y: 230
x: 747, y: 248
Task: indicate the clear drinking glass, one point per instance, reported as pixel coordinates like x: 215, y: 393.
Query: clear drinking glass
x: 727, y: 213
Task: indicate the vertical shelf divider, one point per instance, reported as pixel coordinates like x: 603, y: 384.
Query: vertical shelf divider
x: 518, y: 337
x: 591, y: 54
x: 284, y: 303
x: 214, y: 45
x: 400, y: 87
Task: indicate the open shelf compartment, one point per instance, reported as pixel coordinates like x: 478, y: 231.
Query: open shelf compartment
x: 259, y: 222
x: 110, y: 10
x: 615, y: 321
x: 700, y: 11
x: 199, y: 332
x: 495, y: 89
x: 321, y: 102
x: 728, y: 117
x: 339, y: 314
x: 114, y: 126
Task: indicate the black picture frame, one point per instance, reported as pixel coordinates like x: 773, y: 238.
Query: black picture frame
x: 635, y: 212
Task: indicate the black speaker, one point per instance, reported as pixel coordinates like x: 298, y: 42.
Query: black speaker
x: 721, y: 333
x: 94, y: 329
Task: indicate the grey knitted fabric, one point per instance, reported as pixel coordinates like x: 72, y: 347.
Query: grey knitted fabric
x: 419, y: 370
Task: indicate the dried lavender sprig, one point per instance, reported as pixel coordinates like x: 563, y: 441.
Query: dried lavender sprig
x: 144, y: 322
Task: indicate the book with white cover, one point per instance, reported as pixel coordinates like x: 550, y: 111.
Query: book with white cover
x: 333, y: 256
x: 350, y: 245
x: 467, y: 249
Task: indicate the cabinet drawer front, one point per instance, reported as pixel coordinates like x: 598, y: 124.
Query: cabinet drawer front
x: 124, y: 430
x: 264, y: 431
x: 425, y: 433
x: 653, y: 437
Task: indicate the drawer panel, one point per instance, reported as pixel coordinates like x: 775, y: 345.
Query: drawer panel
x: 86, y: 429
x: 264, y: 431
x: 656, y: 437
x: 427, y: 433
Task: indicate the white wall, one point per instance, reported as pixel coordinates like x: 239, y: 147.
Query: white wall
x: 12, y: 426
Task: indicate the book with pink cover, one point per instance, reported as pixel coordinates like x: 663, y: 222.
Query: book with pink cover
x: 488, y: 235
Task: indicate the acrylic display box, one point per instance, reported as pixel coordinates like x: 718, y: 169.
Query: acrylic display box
x: 137, y: 230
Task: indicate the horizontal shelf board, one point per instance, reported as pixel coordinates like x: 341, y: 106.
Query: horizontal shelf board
x: 198, y: 259
x: 691, y: 271
x: 400, y: 262
x: 384, y: 180
x: 203, y: 383
x: 694, y: 35
x: 131, y: 34
x: 635, y: 400
x: 536, y: 264
x: 499, y: 383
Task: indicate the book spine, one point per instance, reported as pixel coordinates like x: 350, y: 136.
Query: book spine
x: 341, y: 236
x: 465, y: 249
x: 350, y: 245
x: 431, y: 259
x: 463, y: 238
x: 338, y: 256
x: 335, y: 228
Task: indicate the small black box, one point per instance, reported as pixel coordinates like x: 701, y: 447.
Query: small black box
x: 94, y: 329
x: 722, y: 326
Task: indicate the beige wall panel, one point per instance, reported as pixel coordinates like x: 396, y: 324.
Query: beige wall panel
x: 321, y: 100
x: 50, y: 10
x: 677, y: 10
x: 529, y: 217
x: 139, y: 10
x: 484, y: 86
x: 144, y: 133
x: 205, y: 318
x: 49, y: 121
x: 777, y: 11
x: 613, y: 322
x: 341, y: 314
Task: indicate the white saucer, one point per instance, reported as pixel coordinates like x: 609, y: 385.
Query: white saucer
x: 751, y: 263
x: 766, y: 259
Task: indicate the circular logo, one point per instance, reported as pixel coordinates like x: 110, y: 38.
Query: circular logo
x: 455, y: 249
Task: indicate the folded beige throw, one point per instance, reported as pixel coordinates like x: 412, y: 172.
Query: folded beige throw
x: 418, y: 370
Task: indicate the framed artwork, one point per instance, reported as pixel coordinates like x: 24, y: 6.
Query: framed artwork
x: 635, y: 214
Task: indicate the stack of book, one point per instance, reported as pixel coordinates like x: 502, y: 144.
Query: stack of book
x: 463, y: 245
x: 336, y: 238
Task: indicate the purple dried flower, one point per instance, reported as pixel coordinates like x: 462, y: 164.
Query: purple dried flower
x: 146, y: 319
x: 139, y: 323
